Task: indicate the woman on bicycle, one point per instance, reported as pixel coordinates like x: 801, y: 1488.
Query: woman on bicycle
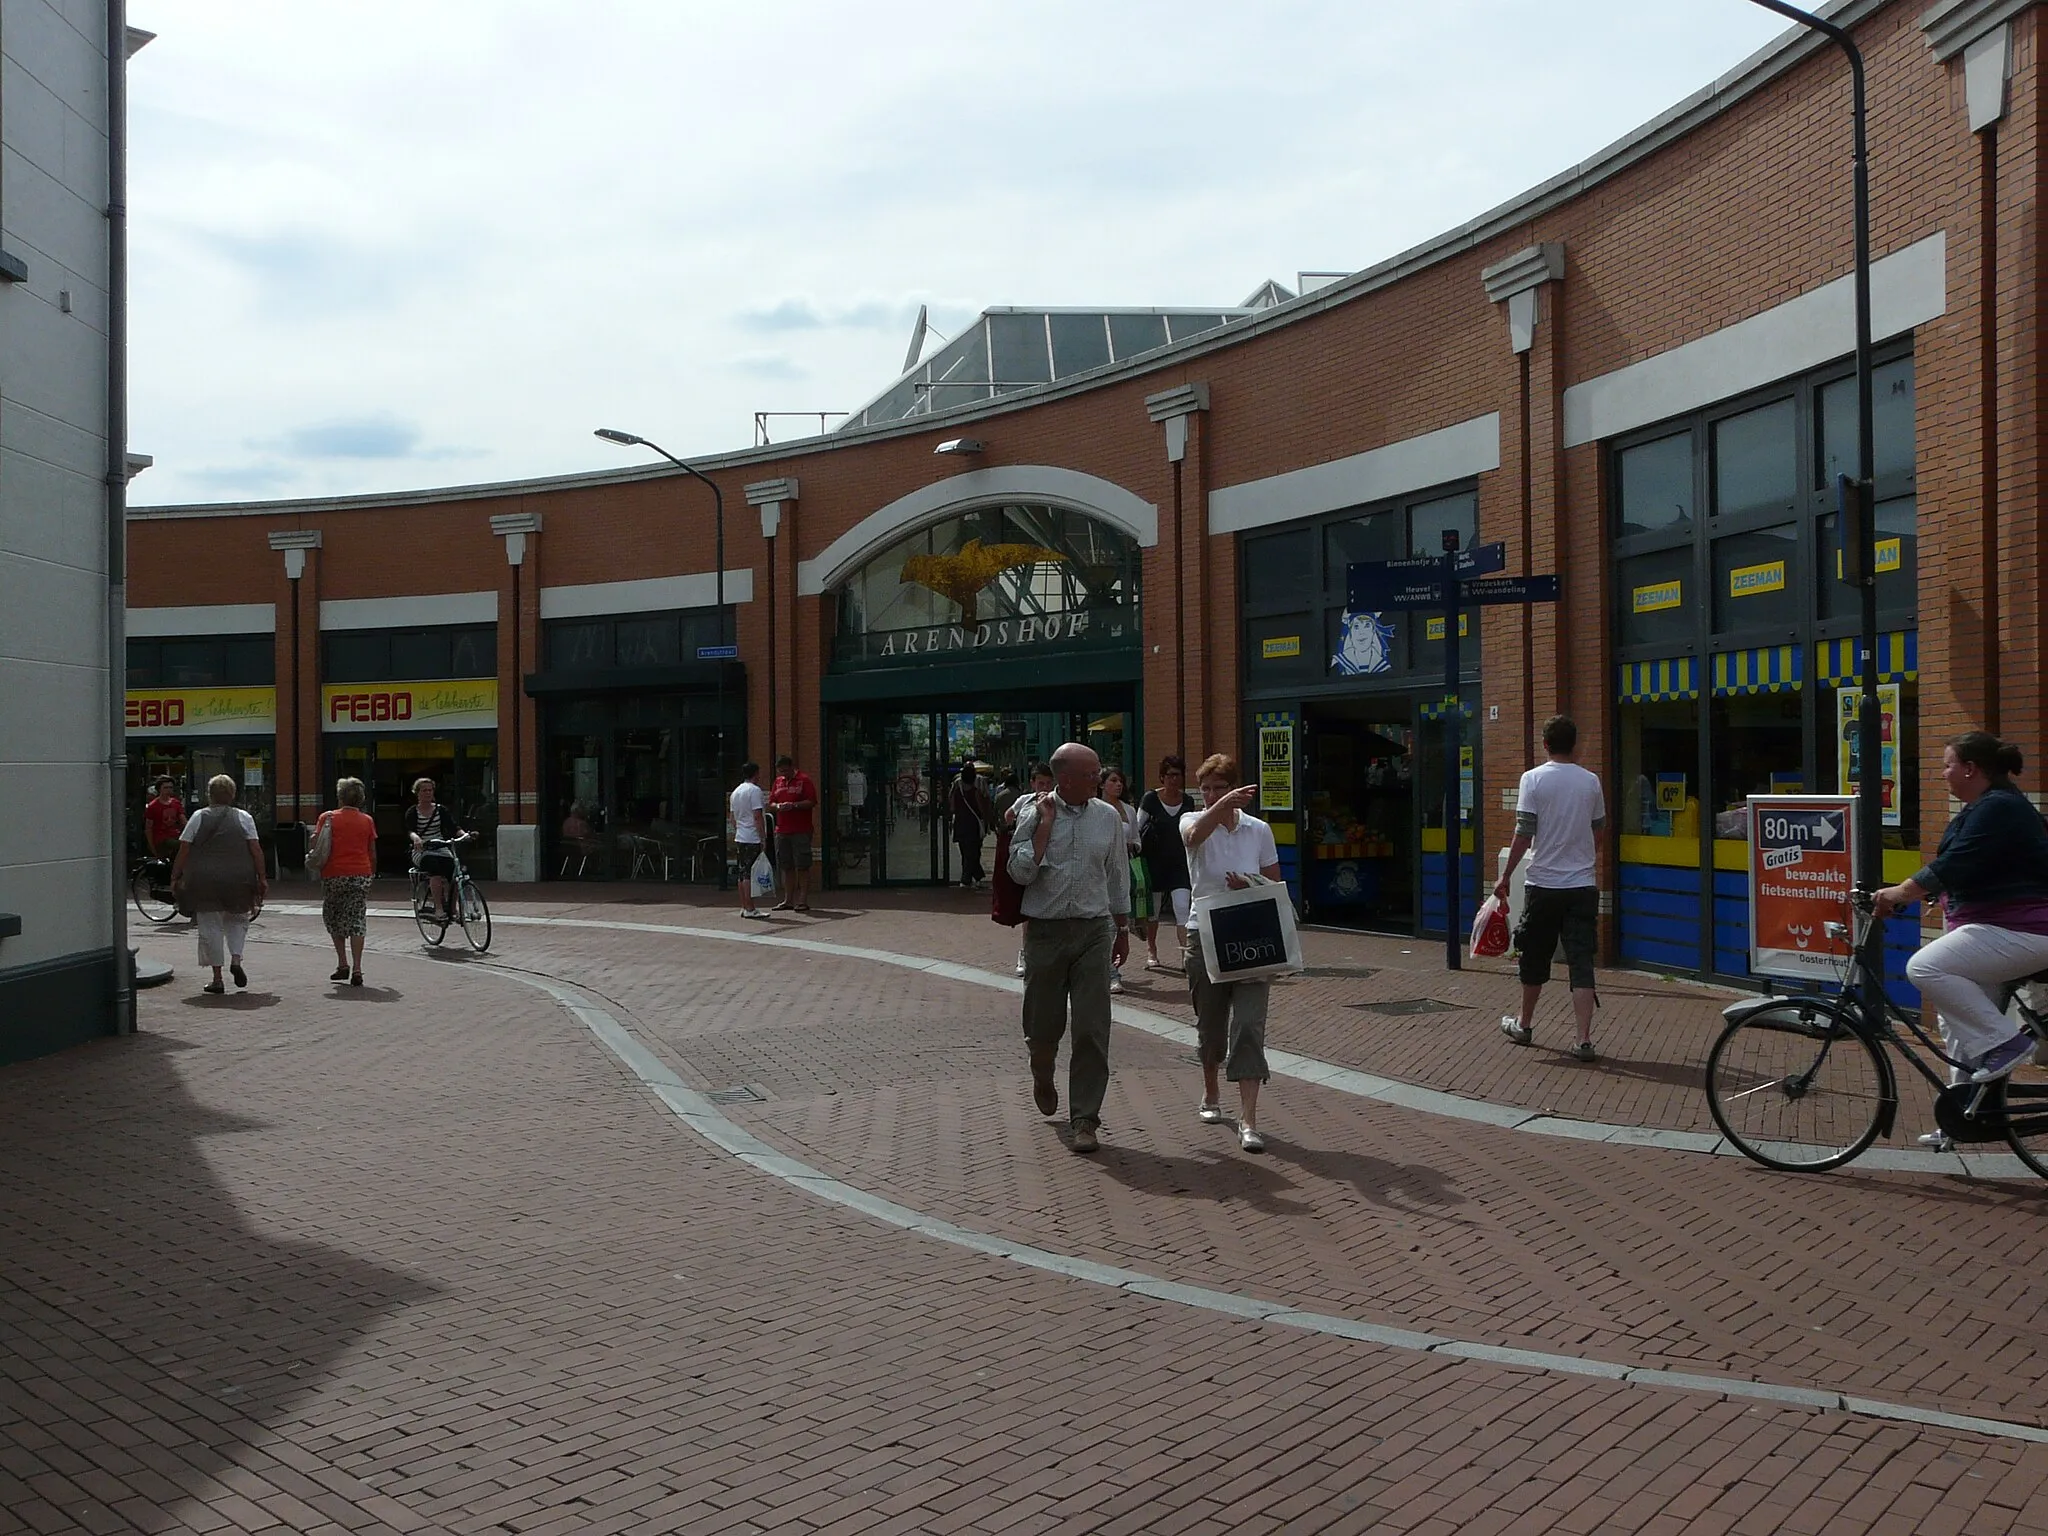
x: 426, y: 818
x: 1992, y: 871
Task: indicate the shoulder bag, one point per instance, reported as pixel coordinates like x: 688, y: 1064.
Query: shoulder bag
x: 323, y: 846
x: 218, y: 875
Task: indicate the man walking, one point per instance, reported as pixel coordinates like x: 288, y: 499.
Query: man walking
x: 745, y: 816
x: 1069, y: 856
x: 793, y: 799
x: 1560, y: 812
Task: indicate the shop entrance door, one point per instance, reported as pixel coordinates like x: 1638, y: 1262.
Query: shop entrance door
x: 1360, y: 832
x: 884, y: 826
x: 891, y: 772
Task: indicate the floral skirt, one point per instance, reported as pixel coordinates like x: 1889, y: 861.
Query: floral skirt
x: 344, y: 905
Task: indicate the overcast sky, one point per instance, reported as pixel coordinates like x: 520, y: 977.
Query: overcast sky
x: 382, y: 246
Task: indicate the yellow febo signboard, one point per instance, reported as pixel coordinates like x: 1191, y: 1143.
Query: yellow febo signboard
x: 202, y: 711
x: 465, y: 704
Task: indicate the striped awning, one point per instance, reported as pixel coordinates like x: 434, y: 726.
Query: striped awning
x: 1646, y: 682
x: 1766, y: 669
x: 1898, y: 658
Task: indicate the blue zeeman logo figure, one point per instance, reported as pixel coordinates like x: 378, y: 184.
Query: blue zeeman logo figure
x: 1365, y: 644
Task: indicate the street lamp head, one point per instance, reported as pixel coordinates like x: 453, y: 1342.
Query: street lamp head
x: 614, y: 435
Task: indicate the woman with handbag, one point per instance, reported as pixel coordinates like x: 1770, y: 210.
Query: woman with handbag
x: 345, y: 859
x: 219, y: 879
x: 1226, y: 845
x: 971, y: 814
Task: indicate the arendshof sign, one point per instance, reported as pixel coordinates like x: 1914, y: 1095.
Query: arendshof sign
x: 990, y: 635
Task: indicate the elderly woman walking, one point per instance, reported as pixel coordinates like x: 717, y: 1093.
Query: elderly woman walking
x: 219, y: 879
x: 1226, y: 845
x: 351, y: 838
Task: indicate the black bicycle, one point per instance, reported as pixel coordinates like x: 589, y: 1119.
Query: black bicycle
x: 1802, y: 1084
x: 149, y: 882
x: 465, y: 905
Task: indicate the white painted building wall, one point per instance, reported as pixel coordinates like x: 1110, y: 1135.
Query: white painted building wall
x: 57, y: 845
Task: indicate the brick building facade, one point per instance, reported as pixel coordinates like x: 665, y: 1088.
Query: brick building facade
x: 1630, y: 376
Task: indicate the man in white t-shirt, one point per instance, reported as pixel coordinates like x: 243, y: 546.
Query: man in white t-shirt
x: 748, y: 835
x: 1560, y: 812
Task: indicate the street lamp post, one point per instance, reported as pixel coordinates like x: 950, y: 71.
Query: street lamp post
x: 632, y: 440
x: 1858, y: 513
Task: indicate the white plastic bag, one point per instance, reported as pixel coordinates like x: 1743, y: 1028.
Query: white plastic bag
x: 763, y: 876
x: 1490, y: 935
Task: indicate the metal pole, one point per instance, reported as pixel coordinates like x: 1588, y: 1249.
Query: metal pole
x: 718, y: 579
x: 1454, y: 957
x: 1869, y: 731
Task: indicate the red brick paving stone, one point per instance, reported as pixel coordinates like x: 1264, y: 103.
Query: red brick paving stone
x: 447, y: 1223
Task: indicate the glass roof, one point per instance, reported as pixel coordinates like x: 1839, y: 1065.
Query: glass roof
x: 1006, y: 350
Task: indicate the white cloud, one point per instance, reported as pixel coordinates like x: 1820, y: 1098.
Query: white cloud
x: 498, y: 223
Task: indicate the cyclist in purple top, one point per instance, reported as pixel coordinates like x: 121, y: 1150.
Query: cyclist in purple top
x: 1992, y: 870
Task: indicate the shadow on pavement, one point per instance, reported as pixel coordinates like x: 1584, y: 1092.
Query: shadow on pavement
x: 232, y: 1002
x: 1224, y: 1177
x: 141, y: 1299
x: 1397, y: 1186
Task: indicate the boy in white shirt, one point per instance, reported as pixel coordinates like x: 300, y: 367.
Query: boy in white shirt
x: 1225, y: 844
x: 1561, y: 812
x: 744, y: 813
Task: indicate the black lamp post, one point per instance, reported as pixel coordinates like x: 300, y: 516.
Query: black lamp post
x: 1858, y: 510
x: 631, y: 440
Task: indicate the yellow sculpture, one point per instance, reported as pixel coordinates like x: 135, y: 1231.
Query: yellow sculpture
x: 959, y: 577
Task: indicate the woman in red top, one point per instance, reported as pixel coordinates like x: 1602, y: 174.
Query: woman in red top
x: 345, y: 877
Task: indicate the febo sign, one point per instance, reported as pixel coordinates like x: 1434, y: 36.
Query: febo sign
x: 1802, y: 867
x: 369, y: 706
x: 456, y: 704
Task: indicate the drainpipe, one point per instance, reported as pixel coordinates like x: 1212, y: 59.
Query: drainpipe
x: 122, y: 1003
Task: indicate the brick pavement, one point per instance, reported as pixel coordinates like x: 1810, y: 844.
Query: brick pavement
x: 424, y: 1258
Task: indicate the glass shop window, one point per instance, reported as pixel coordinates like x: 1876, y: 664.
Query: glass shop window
x: 1656, y: 485
x: 1754, y: 585
x: 1657, y: 598
x: 1660, y: 789
x: 1756, y: 460
x: 1891, y: 399
x: 1278, y: 567
x: 1758, y: 749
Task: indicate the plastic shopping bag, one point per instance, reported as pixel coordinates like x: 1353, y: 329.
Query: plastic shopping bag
x: 1490, y: 929
x: 763, y: 876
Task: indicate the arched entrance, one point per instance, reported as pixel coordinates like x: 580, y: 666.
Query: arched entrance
x: 989, y: 634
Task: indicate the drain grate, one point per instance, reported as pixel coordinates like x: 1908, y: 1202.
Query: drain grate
x: 746, y: 1093
x: 1347, y: 972
x: 1413, y: 1005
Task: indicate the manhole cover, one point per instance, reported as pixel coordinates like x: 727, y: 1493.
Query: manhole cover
x: 746, y: 1093
x: 1413, y: 1005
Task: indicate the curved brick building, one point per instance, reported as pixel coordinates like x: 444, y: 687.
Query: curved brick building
x: 1136, y: 531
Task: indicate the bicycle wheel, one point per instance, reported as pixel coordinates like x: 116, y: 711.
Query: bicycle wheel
x: 152, y: 900
x: 1796, y: 1089
x: 2026, y: 1107
x: 474, y: 913
x: 433, y: 924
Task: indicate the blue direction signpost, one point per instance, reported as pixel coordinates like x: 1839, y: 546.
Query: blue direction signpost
x: 1446, y: 583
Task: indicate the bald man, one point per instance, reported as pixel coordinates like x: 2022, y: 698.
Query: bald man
x: 1068, y: 854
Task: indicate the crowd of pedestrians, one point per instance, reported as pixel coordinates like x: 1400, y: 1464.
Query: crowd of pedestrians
x: 1097, y: 872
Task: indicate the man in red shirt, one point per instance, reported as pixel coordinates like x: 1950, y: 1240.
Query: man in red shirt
x: 163, y: 818
x: 793, y: 800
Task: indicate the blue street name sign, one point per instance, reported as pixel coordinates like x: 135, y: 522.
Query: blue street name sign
x: 718, y: 652
x: 1480, y: 560
x: 1510, y: 589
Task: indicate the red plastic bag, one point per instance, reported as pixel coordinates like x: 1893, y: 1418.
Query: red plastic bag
x: 1006, y: 896
x: 1490, y: 929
